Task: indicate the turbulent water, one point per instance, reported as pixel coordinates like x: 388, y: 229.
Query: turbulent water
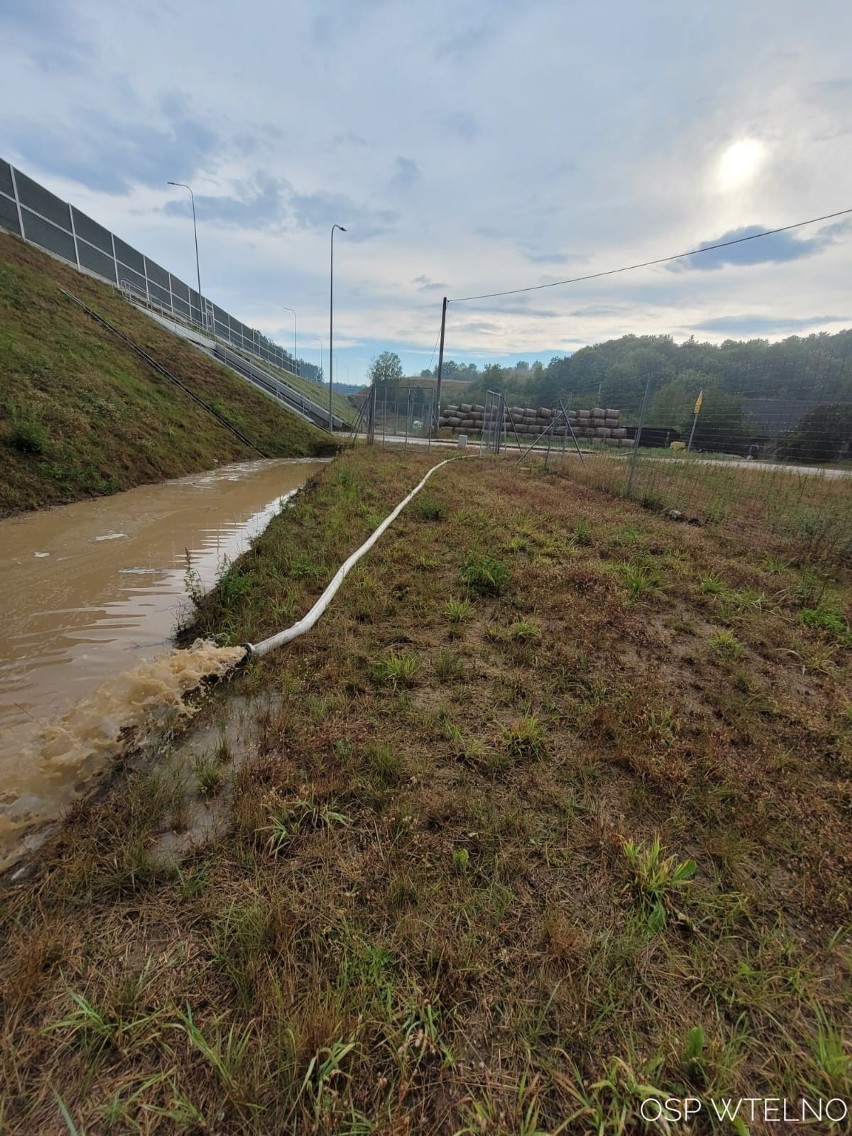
x: 139, y: 699
x: 89, y: 596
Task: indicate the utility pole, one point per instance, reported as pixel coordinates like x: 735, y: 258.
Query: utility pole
x: 440, y: 365
x: 331, y: 333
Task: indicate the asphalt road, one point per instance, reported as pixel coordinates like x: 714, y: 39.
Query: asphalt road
x: 623, y: 455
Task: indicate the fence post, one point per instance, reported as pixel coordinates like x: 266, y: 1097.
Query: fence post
x: 634, y: 455
x: 371, y: 419
x: 17, y: 200
x: 77, y: 248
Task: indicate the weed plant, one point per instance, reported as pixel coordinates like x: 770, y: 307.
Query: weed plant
x: 484, y: 574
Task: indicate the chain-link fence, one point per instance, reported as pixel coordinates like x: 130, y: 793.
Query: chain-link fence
x: 799, y: 510
x: 39, y: 216
x: 777, y: 471
x: 390, y: 413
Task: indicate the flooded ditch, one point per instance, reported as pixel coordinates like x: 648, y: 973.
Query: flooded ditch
x: 90, y: 595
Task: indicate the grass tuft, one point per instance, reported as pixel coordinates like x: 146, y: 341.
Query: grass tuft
x: 484, y: 574
x: 397, y: 669
x: 656, y: 877
x: 726, y: 644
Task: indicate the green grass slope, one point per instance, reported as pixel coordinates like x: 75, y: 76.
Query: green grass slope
x: 82, y: 415
x: 318, y: 392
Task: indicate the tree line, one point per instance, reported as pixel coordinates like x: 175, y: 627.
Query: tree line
x: 668, y: 377
x: 616, y: 372
x: 619, y: 372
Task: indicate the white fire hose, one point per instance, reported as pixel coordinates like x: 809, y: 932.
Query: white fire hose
x: 308, y: 621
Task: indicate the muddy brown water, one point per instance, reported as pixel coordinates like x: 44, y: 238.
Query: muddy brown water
x: 90, y: 596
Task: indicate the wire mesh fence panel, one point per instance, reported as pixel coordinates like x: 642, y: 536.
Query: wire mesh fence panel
x: 788, y: 492
x: 402, y: 412
x: 492, y: 423
x: 775, y: 471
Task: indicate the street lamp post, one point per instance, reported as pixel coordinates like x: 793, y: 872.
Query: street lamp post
x: 183, y: 185
x: 295, y: 363
x: 331, y: 332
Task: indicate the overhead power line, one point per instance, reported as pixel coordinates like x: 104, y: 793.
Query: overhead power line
x: 649, y: 263
x: 434, y: 349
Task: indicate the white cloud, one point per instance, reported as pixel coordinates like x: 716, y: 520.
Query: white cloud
x: 477, y: 144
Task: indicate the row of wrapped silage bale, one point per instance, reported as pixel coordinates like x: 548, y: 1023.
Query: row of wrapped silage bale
x: 599, y: 424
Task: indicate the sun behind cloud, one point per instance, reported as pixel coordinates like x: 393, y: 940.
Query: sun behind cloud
x: 740, y: 162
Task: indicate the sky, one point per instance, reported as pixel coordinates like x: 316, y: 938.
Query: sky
x: 467, y: 147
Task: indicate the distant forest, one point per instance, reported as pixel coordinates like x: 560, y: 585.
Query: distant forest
x: 615, y: 373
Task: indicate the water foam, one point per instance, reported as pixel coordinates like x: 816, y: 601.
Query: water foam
x: 128, y: 706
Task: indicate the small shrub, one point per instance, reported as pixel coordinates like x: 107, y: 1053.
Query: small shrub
x: 28, y: 436
x: 484, y: 574
x: 431, y: 509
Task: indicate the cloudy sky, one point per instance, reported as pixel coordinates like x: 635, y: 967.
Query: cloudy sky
x: 468, y: 147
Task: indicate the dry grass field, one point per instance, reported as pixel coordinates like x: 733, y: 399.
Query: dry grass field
x: 548, y: 816
x: 802, y: 513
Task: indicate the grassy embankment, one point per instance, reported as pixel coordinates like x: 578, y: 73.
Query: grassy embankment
x: 550, y: 811
x: 82, y: 415
x: 318, y: 392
